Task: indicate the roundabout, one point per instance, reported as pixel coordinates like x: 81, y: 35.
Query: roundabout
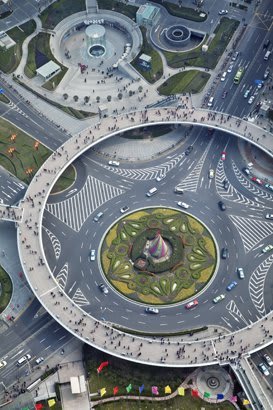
x: 88, y: 322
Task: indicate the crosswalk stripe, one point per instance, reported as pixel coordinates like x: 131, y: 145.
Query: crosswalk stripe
x: 256, y: 284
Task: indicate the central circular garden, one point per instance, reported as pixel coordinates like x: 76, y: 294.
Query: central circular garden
x: 158, y: 256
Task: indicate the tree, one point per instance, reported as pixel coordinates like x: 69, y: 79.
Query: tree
x: 140, y: 89
x: 119, y: 96
x: 65, y: 96
x: 98, y: 99
x: 86, y: 99
x: 109, y: 98
x: 76, y: 98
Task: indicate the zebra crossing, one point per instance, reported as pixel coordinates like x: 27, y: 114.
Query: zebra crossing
x: 14, y: 107
x: 79, y: 298
x: 146, y: 174
x: 75, y: 210
x: 62, y: 276
x: 249, y: 185
x: 251, y: 231
x: 56, y: 244
x: 256, y: 284
x: 191, y: 182
x: 234, y: 311
x: 231, y: 194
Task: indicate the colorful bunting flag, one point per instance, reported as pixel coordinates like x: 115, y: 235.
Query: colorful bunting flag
x: 207, y: 394
x: 129, y: 388
x: 234, y: 399
x: 155, y: 390
x: 181, y: 391
x: 168, y: 390
x: 220, y: 396
x: 38, y: 406
x: 141, y: 388
x: 245, y: 402
x: 115, y: 390
x: 51, y: 402
x: 102, y: 391
x: 101, y: 366
x: 194, y: 393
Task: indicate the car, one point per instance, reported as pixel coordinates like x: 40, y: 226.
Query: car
x: 103, y: 288
x: 232, y: 285
x: 246, y: 171
x: 92, y: 255
x: 189, y: 150
x: 224, y: 94
x: 257, y: 180
x: 268, y: 360
x: 219, y: 298
x: 211, y: 173
x: 113, y: 163
x: 246, y: 94
x: 235, y: 56
x: 224, y: 253
x: 151, y: 310
x: 266, y: 43
x: 223, y: 156
x: 240, y: 273
x: 225, y: 184
x: 39, y: 360
x: 222, y: 206
x: 183, y: 205
x: 124, y: 209
x: 262, y: 367
x: 250, y: 101
x: 268, y: 248
x: 269, y: 216
x: 3, y: 363
x: 160, y: 177
x: 230, y: 68
x: 266, y: 73
x: 268, y: 186
x: 98, y: 217
x: 260, y: 85
x: 191, y: 304
x: 222, y: 12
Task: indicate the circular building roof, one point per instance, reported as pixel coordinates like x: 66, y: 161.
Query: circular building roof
x: 95, y: 31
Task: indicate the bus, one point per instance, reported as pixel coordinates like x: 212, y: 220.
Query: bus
x: 238, y: 76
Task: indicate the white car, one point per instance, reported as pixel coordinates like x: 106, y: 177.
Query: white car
x: 263, y: 369
x: 160, y: 177
x: 103, y: 288
x: 151, y: 310
x: 39, y: 360
x: 230, y: 68
x: 219, y: 298
x: 268, y: 360
x: 92, y: 255
x: 250, y: 101
x: 246, y: 94
x: 211, y: 173
x: 269, y: 216
x: 124, y: 209
x: 268, y: 248
x: 183, y: 205
x: 113, y: 163
x: 3, y: 363
x: 222, y: 12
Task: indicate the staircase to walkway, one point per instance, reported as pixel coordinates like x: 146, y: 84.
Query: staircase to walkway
x: 91, y: 6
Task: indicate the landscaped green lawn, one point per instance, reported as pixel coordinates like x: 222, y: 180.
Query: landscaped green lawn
x: 222, y: 36
x: 59, y: 10
x: 187, y: 81
x: 20, y: 155
x: 125, y: 9
x: 10, y: 59
x: 188, y: 13
x: 156, y: 71
x: 6, y: 285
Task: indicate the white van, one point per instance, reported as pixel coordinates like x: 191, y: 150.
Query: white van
x: 23, y: 359
x: 178, y: 190
x: 267, y: 55
x: 211, y: 101
x: 151, y: 192
x: 224, y: 76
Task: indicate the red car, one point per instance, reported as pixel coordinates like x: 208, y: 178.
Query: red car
x: 257, y: 180
x: 223, y: 156
x: 191, y: 304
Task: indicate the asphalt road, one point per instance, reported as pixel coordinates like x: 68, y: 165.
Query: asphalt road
x: 246, y: 207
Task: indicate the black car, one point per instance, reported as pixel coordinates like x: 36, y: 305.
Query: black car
x: 222, y: 206
x: 224, y: 253
x: 189, y: 150
x: 225, y: 184
x: 266, y: 43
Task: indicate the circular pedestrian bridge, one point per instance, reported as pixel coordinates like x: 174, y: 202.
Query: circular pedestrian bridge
x: 103, y: 335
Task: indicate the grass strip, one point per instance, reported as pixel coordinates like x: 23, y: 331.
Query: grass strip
x: 188, y: 81
x: 6, y: 289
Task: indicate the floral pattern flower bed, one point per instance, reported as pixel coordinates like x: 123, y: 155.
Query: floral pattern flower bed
x: 158, y: 256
